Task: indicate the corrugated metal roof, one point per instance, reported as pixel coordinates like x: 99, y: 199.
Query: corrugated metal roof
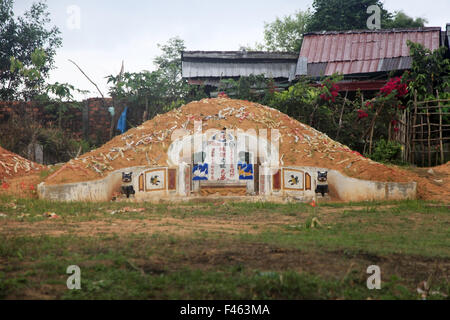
x: 353, y: 52
x: 221, y: 56
x: 229, y: 69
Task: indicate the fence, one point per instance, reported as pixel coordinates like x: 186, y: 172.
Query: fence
x: 424, y: 132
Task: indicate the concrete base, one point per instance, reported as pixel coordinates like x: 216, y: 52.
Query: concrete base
x: 346, y: 188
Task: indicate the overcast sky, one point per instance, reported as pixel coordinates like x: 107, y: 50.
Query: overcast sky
x: 111, y: 31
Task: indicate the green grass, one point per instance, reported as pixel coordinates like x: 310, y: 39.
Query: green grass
x: 108, y: 274
x: 285, y: 260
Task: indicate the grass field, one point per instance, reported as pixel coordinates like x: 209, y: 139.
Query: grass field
x: 217, y: 250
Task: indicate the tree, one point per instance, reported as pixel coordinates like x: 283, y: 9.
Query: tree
x: 286, y: 34
x: 19, y: 38
x: 430, y: 72
x: 169, y: 66
x: 154, y: 92
x: 402, y: 20
x: 336, y: 15
x: 56, y: 96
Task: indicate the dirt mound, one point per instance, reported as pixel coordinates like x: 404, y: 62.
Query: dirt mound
x: 12, y: 165
x: 433, y: 183
x: 300, y: 145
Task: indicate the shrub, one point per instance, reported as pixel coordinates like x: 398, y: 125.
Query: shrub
x: 386, y: 151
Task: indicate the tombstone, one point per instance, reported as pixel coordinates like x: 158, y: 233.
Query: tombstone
x: 39, y: 153
x: 36, y: 153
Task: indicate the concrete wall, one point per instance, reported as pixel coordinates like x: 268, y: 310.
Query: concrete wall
x: 347, y: 189
x: 352, y: 189
x: 96, y: 190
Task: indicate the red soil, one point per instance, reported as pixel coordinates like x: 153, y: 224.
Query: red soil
x: 12, y: 165
x: 300, y: 145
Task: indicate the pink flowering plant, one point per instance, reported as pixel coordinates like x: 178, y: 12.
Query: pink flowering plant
x: 329, y: 89
x: 387, y: 104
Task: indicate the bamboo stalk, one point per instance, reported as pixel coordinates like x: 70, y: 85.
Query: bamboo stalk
x: 434, y: 139
x: 413, y: 149
x: 442, y: 100
x: 438, y: 112
x: 434, y: 124
x: 406, y: 137
x: 421, y: 141
x: 440, y: 129
x: 429, y: 139
x: 340, y: 118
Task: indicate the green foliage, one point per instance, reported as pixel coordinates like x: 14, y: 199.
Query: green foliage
x: 57, y: 96
x: 286, y: 34
x: 252, y: 88
x: 386, y: 151
x: 298, y: 101
x: 31, y: 41
x: 430, y: 71
x: 22, y: 130
x: 338, y: 119
x: 402, y: 20
x: 336, y: 15
x: 61, y: 145
x: 169, y: 66
x: 32, y: 73
x: 157, y: 91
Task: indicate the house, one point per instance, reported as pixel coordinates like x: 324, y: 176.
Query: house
x: 364, y: 57
x: 208, y: 68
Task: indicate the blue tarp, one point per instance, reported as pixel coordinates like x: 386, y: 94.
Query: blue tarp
x: 122, y: 123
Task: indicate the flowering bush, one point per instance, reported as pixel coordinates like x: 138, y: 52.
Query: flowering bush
x: 397, y: 85
x: 395, y: 125
x: 330, y: 90
x: 222, y: 94
x: 362, y: 114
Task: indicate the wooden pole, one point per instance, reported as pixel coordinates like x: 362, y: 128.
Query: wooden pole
x: 421, y: 140
x: 440, y: 128
x: 413, y: 147
x: 407, y: 136
x: 340, y: 118
x: 429, y: 137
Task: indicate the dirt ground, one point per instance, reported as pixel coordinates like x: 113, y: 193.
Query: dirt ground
x: 226, y: 250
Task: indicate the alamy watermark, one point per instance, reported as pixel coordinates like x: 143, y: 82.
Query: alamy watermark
x: 226, y: 147
x: 374, y: 281
x: 374, y: 21
x: 74, y: 281
x: 73, y: 21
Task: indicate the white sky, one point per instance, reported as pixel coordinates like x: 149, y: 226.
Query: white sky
x: 112, y: 31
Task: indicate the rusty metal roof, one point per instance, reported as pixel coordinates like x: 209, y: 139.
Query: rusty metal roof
x: 356, y: 52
